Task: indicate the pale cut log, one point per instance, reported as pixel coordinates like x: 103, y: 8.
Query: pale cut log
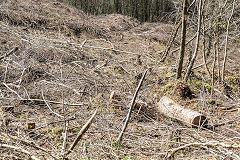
x: 169, y: 108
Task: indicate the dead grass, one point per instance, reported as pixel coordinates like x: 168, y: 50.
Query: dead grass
x: 75, y: 62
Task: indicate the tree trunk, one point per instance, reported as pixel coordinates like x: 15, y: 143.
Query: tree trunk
x: 182, y: 47
x: 189, y: 69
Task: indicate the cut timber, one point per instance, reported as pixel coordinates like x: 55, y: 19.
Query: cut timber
x: 171, y: 109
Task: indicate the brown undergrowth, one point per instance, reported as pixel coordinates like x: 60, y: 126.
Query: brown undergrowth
x: 70, y: 62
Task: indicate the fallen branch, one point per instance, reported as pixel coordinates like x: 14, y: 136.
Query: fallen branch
x: 119, y: 139
x: 41, y: 100
x: 9, y: 53
x: 170, y: 42
x: 51, y: 108
x: 20, y: 150
x: 29, y: 143
x: 12, y: 90
x: 210, y: 144
x: 82, y: 131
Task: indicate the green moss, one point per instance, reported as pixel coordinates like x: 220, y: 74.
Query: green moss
x: 211, y: 101
x: 169, y: 87
x: 118, y: 70
x: 218, y: 103
x: 69, y: 32
x: 208, y: 87
x: 195, y: 83
x: 169, y: 74
x: 232, y: 79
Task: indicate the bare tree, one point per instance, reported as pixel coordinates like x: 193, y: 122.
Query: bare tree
x: 200, y: 6
x: 183, y: 39
x: 226, y: 41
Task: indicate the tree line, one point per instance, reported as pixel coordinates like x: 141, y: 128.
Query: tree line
x: 143, y: 10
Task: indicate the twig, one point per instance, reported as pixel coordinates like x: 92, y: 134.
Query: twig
x: 20, y: 150
x: 83, y: 43
x: 12, y: 91
x: 69, y: 119
x: 9, y: 53
x: 211, y: 144
x: 119, y: 139
x: 213, y: 68
x: 65, y: 137
x: 189, y: 69
x: 20, y: 80
x: 81, y: 132
x: 5, y: 73
x: 170, y: 42
x: 29, y: 143
x: 51, y: 108
x: 204, y: 49
x: 175, y: 50
x: 41, y: 100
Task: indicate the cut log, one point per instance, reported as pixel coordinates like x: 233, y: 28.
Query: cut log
x: 169, y: 108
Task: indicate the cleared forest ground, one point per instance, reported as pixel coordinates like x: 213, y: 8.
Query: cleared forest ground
x: 68, y: 63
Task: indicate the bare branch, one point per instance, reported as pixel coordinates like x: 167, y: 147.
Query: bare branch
x: 20, y: 150
x: 82, y: 131
x: 9, y: 53
x: 51, y: 108
x: 119, y: 139
x: 226, y: 41
x: 210, y: 144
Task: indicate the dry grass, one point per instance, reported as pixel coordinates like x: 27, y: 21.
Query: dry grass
x: 74, y: 61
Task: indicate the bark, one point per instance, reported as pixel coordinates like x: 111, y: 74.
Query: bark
x: 169, y: 108
x: 226, y: 43
x: 189, y: 69
x: 183, y: 39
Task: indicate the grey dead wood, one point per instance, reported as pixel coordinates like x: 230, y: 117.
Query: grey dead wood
x: 41, y: 100
x: 9, y: 53
x: 166, y: 52
x: 183, y: 39
x: 189, y: 69
x: 19, y: 149
x: 208, y: 144
x: 81, y: 132
x: 119, y: 139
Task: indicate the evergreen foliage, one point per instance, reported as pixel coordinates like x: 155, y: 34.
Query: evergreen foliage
x: 143, y: 10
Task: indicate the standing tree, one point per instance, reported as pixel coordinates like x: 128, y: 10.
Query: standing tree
x: 197, y: 41
x: 226, y: 42
x: 183, y: 39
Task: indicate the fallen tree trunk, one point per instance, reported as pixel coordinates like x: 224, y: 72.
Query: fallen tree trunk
x: 169, y: 108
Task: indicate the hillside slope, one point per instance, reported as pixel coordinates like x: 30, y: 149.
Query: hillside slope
x: 68, y: 63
